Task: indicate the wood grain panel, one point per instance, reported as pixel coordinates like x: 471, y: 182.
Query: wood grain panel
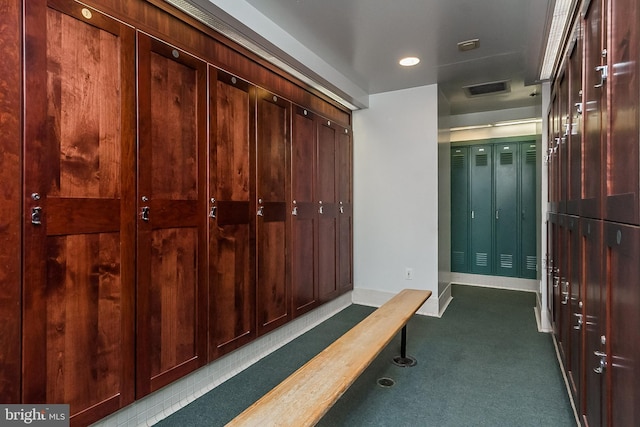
x: 304, y: 270
x: 171, y: 258
x: 273, y: 118
x: 10, y: 164
x: 232, y: 315
x: 576, y: 108
x: 623, y: 348
x: 595, y: 108
x: 622, y: 195
x: 345, y: 210
x: 594, y: 409
x: 79, y: 158
x: 563, y: 148
x: 327, y: 221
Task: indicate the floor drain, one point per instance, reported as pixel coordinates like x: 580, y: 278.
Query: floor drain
x: 386, y: 382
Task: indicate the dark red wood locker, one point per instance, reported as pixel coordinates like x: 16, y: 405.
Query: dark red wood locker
x: 563, y: 132
x: 593, y: 409
x: 563, y: 288
x: 273, y: 118
x: 622, y: 245
x: 326, y: 194
x: 304, y: 213
x: 171, y: 205
x: 11, y: 201
x: 232, y: 281
x: 575, y: 318
x: 594, y: 96
x: 79, y: 165
x: 574, y: 185
x: 622, y: 186
x: 344, y: 152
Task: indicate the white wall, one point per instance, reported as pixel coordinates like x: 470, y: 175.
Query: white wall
x: 396, y: 194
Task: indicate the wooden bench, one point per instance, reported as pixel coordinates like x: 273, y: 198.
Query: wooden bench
x: 307, y: 394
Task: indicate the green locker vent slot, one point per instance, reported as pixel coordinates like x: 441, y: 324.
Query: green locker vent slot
x: 457, y: 257
x: 532, y: 263
x: 481, y: 259
x: 531, y: 157
x: 481, y: 160
x: 506, y: 158
x: 457, y: 162
x: 506, y: 261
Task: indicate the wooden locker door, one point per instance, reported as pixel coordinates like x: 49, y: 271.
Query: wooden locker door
x: 622, y: 194
x: 575, y: 317
x: 272, y: 236
x: 172, y: 212
x: 506, y: 209
x: 574, y: 188
x: 551, y: 263
x: 623, y: 347
x: 595, y: 108
x: 561, y: 295
x: 482, y: 215
x: 594, y: 408
x: 304, y: 213
x: 327, y: 210
x: 11, y: 201
x: 460, y: 209
x: 232, y: 282
x: 563, y: 135
x: 79, y: 160
x: 552, y: 160
x: 344, y: 151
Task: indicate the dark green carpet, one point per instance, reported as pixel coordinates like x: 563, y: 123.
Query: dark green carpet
x: 482, y: 364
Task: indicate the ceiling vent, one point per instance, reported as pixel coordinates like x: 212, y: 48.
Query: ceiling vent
x: 492, y: 88
x: 468, y: 45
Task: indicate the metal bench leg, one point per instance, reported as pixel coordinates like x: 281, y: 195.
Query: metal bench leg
x: 403, y: 360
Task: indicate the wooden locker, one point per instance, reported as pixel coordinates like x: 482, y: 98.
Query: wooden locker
x: 622, y: 194
x: 327, y: 210
x: 10, y: 201
x: 304, y: 213
x: 622, y: 245
x: 593, y: 408
x: 344, y: 183
x: 562, y: 133
x: 232, y: 282
x: 594, y: 96
x: 272, y: 236
x: 574, y: 188
x: 575, y: 314
x: 171, y: 221
x: 79, y: 163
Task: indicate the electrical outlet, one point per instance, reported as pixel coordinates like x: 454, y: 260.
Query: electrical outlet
x: 408, y: 273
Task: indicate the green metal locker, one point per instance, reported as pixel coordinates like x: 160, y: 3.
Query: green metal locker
x: 460, y: 209
x: 481, y: 196
x: 528, y: 244
x: 506, y: 209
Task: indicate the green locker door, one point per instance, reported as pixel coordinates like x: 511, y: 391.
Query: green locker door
x: 506, y: 209
x: 481, y: 191
x: 460, y: 209
x: 528, y: 252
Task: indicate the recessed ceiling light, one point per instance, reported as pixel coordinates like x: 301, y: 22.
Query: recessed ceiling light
x: 409, y: 61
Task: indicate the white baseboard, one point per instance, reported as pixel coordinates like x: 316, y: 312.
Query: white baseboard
x: 499, y: 282
x: 543, y: 317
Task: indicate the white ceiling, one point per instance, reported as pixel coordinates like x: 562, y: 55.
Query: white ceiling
x: 364, y: 39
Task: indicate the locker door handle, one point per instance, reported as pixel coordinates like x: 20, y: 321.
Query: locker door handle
x: 473, y: 214
x: 602, y: 363
x: 144, y: 213
x: 497, y: 213
x: 604, y: 73
x: 36, y: 215
x: 212, y: 212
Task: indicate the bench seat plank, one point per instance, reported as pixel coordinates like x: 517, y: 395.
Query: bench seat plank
x: 307, y: 394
